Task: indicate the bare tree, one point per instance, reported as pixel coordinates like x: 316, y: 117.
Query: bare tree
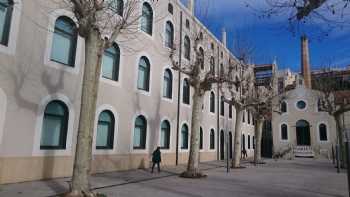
x: 100, y: 22
x: 201, y: 75
x: 236, y: 92
x: 333, y: 99
x: 332, y: 14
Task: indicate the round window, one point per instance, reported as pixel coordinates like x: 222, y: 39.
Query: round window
x: 301, y: 104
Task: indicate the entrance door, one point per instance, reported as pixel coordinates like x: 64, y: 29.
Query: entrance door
x: 230, y: 144
x: 222, y: 145
x: 266, y: 141
x: 303, y: 133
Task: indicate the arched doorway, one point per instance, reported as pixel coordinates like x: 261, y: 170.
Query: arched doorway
x: 222, y: 145
x: 230, y: 145
x: 303, y: 133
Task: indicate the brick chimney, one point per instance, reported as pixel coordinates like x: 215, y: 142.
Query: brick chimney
x: 224, y: 37
x: 305, y: 62
x: 191, y: 5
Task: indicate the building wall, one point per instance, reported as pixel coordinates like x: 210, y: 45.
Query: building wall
x: 29, y: 80
x: 311, y: 115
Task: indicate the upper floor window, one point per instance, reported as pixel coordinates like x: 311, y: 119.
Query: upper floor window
x: 253, y: 142
x: 222, y: 106
x: 187, y: 24
x: 301, y: 104
x: 319, y: 105
x: 169, y: 35
x: 230, y: 111
x: 168, y: 84
x: 284, y: 132
x: 147, y: 18
x: 212, y: 139
x: 212, y: 102
x: 143, y: 74
x: 283, y: 107
x: 184, y: 137
x: 186, y: 92
x: 105, y: 130
x: 117, y: 6
x: 248, y: 117
x: 110, y: 63
x: 6, y: 8
x: 323, y: 132
x: 201, y: 58
x: 64, y: 41
x: 212, y: 65
x: 165, y: 135
x: 201, y: 138
x: 140, y: 132
x: 170, y: 8
x: 55, y: 125
x: 187, y: 48
x: 243, y: 116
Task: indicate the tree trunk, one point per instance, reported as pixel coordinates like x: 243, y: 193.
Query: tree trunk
x: 83, y: 154
x: 193, y: 160
x: 258, y: 135
x: 338, y: 123
x: 236, y: 162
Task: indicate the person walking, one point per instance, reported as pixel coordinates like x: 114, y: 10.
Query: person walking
x: 156, y: 158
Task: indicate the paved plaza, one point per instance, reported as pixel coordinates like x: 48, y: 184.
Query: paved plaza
x: 294, y: 178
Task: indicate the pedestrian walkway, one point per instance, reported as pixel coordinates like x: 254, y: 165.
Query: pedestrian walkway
x: 53, y: 187
x: 285, y: 178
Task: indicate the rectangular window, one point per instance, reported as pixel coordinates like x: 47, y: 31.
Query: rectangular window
x: 108, y: 67
x: 102, y: 135
x: 51, y: 134
x: 60, y: 46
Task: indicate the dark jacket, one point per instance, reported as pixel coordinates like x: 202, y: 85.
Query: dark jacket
x: 156, y: 156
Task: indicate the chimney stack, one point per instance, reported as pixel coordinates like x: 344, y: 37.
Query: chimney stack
x: 305, y: 62
x: 190, y: 5
x: 224, y: 37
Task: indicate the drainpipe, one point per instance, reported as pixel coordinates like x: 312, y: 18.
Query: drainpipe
x: 178, y: 96
x: 218, y: 111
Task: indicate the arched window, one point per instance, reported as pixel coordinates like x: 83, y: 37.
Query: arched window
x: 222, y: 106
x: 168, y: 84
x: 165, y: 135
x: 116, y: 6
x: 201, y: 138
x: 105, y: 130
x: 170, y: 8
x: 110, y: 63
x: 230, y: 111
x: 55, y: 125
x: 64, y: 41
x: 147, y: 19
x: 143, y: 74
x: 201, y: 57
x: 187, y: 48
x: 169, y: 35
x: 323, y: 132
x: 284, y: 132
x: 283, y: 107
x: 187, y: 24
x: 248, y: 117
x: 184, y: 137
x: 248, y: 141
x: 6, y: 8
x: 212, y: 65
x: 212, y: 102
x: 243, y: 142
x: 212, y: 139
x: 186, y: 92
x: 140, y: 132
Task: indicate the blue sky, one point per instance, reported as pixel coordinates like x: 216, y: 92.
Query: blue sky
x: 271, y: 38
